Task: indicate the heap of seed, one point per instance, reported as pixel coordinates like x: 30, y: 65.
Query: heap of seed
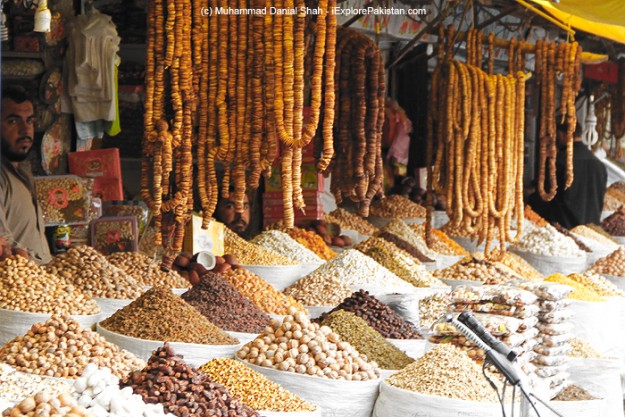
x: 613, y: 264
x: 161, y: 315
x: 366, y: 340
x: 253, y: 388
x: 445, y: 371
x: 398, y: 262
x: 220, y: 302
x: 441, y: 242
x: 567, y: 233
x: 590, y: 233
x: 580, y: 292
x: 598, y: 284
x: 146, y: 271
x: 250, y: 254
x: 515, y: 263
x: 402, y: 230
x: 613, y: 199
x: 352, y: 267
x: 377, y: 315
x: 535, y: 218
x: 583, y: 349
x: 183, y: 390
x: 574, y: 393
x: 14, y: 386
x: 282, y: 243
x: 397, y: 206
x: 549, y: 242
x: 475, y: 270
x: 405, y: 246
x: 432, y: 307
x: 318, y: 290
x: 351, y: 221
x: 299, y: 346
x: 27, y: 287
x: 61, y: 348
x: 260, y: 292
x: 88, y: 269
x: 312, y: 241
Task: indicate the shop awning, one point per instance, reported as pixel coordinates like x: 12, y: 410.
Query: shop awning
x: 602, y: 18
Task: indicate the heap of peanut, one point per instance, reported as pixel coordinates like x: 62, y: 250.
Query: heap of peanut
x: 61, y: 348
x: 89, y: 270
x: 25, y: 286
x: 146, y: 271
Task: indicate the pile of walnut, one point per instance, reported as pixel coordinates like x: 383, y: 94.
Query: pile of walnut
x: 43, y: 405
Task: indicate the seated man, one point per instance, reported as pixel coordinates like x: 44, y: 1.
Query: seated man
x: 227, y: 214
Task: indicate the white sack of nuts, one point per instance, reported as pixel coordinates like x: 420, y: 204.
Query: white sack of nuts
x: 313, y: 363
x: 550, y: 252
x: 444, y: 382
x: 29, y: 295
x: 354, y: 268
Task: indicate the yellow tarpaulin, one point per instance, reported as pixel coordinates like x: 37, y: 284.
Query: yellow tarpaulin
x: 604, y: 18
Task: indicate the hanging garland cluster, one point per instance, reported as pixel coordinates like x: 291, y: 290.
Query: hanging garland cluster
x: 553, y: 59
x: 357, y: 170
x: 236, y: 84
x: 475, y: 144
x: 168, y: 140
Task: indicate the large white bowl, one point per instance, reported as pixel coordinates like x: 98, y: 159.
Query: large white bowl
x: 15, y: 323
x: 281, y: 276
x: 194, y: 354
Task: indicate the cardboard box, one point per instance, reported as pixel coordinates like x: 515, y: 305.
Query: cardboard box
x: 197, y: 239
x: 98, y: 163
x: 273, y: 198
x: 311, y: 179
x: 273, y: 208
x: 108, y: 188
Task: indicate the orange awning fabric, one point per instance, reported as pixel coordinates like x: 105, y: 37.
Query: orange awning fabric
x: 604, y: 18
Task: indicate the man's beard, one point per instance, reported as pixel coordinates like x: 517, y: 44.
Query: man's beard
x: 13, y: 156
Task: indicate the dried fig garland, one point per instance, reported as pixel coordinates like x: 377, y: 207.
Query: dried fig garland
x: 167, y: 145
x: 469, y: 149
x: 553, y: 59
x: 359, y: 115
x: 478, y: 157
x: 236, y: 84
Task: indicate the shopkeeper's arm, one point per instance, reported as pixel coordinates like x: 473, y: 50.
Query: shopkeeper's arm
x: 7, y: 248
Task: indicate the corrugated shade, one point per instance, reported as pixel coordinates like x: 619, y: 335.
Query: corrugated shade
x: 604, y: 18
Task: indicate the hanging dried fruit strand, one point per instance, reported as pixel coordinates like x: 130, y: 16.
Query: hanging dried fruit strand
x: 232, y: 80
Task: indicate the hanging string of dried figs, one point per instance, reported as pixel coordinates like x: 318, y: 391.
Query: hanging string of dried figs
x: 229, y: 91
x: 553, y: 59
x: 357, y: 172
x: 475, y: 143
